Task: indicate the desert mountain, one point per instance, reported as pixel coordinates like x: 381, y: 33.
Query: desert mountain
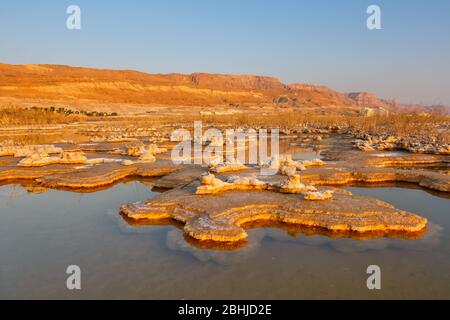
x: 76, y: 86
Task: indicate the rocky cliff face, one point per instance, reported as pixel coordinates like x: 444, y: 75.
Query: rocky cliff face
x: 69, y: 84
x: 366, y: 99
x: 87, y: 87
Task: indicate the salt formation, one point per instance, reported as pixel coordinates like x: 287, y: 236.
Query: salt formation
x: 127, y: 162
x: 179, y: 138
x: 287, y: 166
x: 215, y: 162
x: 147, y: 157
x: 288, y: 171
x: 20, y: 151
x: 293, y: 184
x: 416, y: 145
x: 146, y: 153
x: 224, y: 218
x: 318, y: 195
x: 210, y: 184
x: 140, y: 150
x: 41, y: 159
x: 113, y: 138
x: 312, y: 163
x: 228, y: 166
x: 251, y: 182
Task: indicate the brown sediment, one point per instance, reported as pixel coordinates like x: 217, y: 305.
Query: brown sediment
x: 222, y: 217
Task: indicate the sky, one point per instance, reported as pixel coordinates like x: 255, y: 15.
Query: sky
x: 321, y: 42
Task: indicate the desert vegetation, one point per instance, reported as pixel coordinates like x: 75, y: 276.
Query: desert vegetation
x: 14, y: 115
x: 392, y: 124
x: 426, y: 125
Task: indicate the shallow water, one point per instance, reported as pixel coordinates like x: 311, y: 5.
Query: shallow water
x: 41, y: 234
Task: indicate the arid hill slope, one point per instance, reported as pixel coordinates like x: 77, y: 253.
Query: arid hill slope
x: 87, y: 86
x: 56, y: 82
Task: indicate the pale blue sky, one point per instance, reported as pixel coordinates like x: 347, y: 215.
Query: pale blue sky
x: 322, y: 42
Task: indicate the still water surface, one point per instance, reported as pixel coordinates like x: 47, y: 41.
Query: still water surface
x: 41, y: 234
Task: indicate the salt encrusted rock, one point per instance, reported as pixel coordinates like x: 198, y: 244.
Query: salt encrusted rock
x: 41, y: 159
x: 284, y: 170
x: 113, y: 138
x: 154, y: 149
x: 410, y: 144
x: 229, y: 166
x: 283, y: 162
x: 35, y: 160
x: 223, y: 219
x: 252, y: 181
x: 147, y: 157
x: 312, y: 163
x: 293, y: 184
x: 210, y: 184
x: 127, y: 162
x: 318, y: 195
x: 215, y: 162
x: 140, y: 150
x: 20, y: 151
x: 178, y: 138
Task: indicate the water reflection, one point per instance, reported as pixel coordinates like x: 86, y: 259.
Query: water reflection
x: 42, y: 233
x: 259, y: 231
